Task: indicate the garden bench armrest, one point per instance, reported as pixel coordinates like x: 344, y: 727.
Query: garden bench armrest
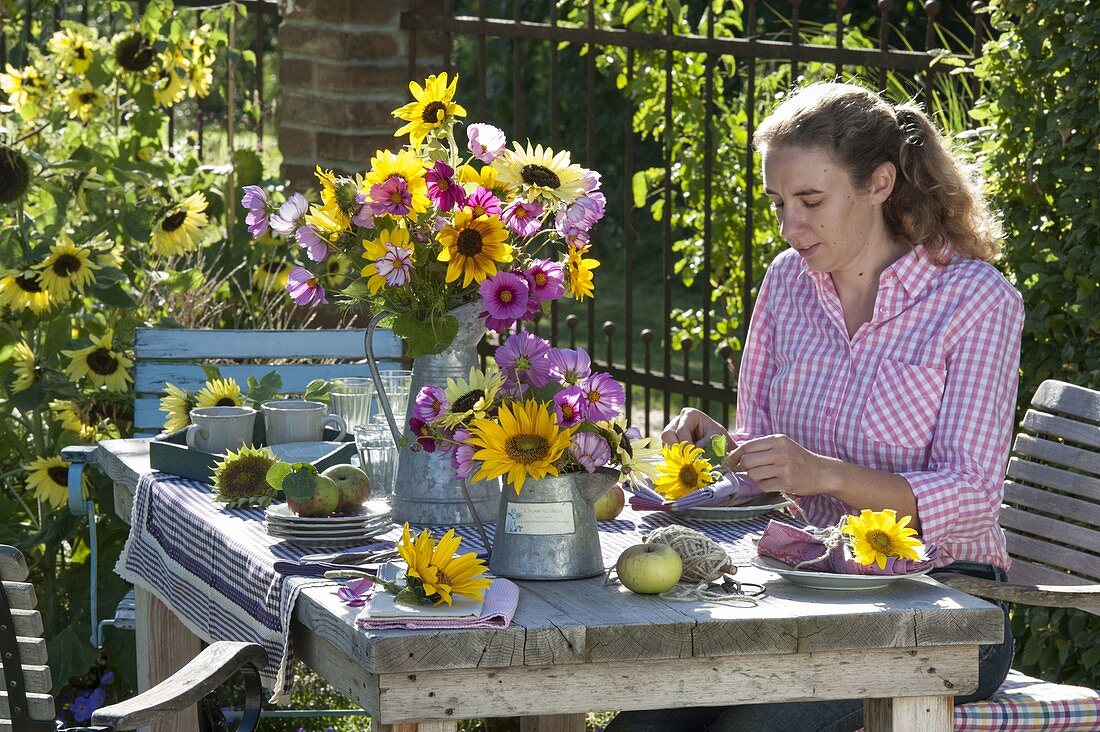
x: 1026, y: 594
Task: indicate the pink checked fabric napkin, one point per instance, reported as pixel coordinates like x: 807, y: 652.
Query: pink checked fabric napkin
x: 497, y: 611
x: 732, y: 489
x: 791, y: 545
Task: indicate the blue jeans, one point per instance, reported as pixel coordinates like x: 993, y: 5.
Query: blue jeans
x: 840, y: 715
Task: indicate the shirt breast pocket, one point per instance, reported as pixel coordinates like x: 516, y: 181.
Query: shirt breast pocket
x: 904, y: 404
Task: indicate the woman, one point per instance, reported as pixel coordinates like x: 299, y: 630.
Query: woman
x: 882, y: 360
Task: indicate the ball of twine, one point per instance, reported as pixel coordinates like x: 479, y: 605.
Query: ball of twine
x: 704, y: 559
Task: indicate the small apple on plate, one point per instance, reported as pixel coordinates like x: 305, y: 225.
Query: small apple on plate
x: 308, y: 493
x: 610, y: 504
x: 354, y: 486
x: 649, y: 569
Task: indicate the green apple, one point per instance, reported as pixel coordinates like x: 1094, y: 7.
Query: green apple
x: 649, y: 569
x: 610, y: 504
x: 309, y: 493
x: 354, y: 486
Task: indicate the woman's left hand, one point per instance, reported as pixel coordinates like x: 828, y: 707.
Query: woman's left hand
x: 779, y: 464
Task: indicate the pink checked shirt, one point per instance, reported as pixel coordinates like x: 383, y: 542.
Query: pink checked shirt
x: 926, y: 389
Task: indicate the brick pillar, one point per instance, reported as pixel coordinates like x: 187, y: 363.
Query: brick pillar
x: 343, y: 68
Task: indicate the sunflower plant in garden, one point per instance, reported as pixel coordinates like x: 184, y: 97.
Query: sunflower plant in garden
x: 429, y: 228
x: 540, y: 411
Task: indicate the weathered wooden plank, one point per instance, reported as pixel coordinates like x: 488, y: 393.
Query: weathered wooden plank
x: 40, y: 705
x: 1068, y: 429
x: 338, y: 665
x: 13, y: 566
x: 1048, y: 501
x: 554, y: 723
x: 1067, y: 456
x: 1069, y: 399
x: 1026, y: 572
x: 164, y: 646
x: 27, y: 623
x: 37, y: 679
x: 1042, y: 550
x: 908, y: 714
x: 1048, y: 595
x: 529, y: 690
x: 1079, y: 484
x: 150, y: 376
x: 32, y: 651
x: 168, y: 343
x: 21, y: 595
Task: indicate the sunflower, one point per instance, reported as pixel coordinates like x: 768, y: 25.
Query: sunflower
x: 220, y: 393
x: 877, y: 535
x: 471, y: 398
x: 272, y: 275
x: 102, y: 365
x: 135, y: 52
x: 541, y: 173
x: 473, y: 246
x: 376, y: 249
x: 240, y: 479
x: 26, y: 371
x: 83, y: 101
x: 15, y: 175
x: 170, y: 79
x: 684, y: 470
x: 23, y: 290
x: 485, y: 178
x: 635, y: 456
x: 200, y: 74
x: 523, y: 440
x: 434, y: 106
x: 49, y: 479
x: 66, y: 268
x: 68, y: 414
x: 73, y: 51
x: 177, y: 404
x: 580, y: 273
x: 404, y: 165
x: 435, y: 573
x: 180, y: 230
x: 25, y: 89
x: 329, y: 222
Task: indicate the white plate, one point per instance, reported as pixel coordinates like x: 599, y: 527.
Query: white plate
x: 733, y: 513
x: 304, y: 452
x: 330, y: 539
x: 830, y: 581
x: 371, y: 511
x: 323, y: 533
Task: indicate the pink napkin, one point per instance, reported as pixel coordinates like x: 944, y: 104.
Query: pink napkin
x: 732, y: 489
x: 497, y: 611
x: 791, y: 545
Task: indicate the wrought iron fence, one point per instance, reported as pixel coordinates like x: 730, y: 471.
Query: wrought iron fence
x: 531, y: 60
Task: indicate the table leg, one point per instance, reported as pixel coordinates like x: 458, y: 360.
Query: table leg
x: 908, y: 714
x: 553, y: 723
x: 164, y: 645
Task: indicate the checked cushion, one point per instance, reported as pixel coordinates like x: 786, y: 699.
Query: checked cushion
x: 1024, y: 704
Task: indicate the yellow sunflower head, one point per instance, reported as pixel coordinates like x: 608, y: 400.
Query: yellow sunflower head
x: 436, y: 572
x: 176, y: 404
x: 472, y: 247
x: 434, y: 108
x: 49, y: 479
x: 180, y: 230
x: 26, y: 371
x: 220, y: 393
x: 272, y: 275
x: 84, y: 101
x: 169, y: 78
x: 523, y: 440
x: 24, y: 291
x: 471, y: 398
x: 878, y: 535
x: 487, y: 178
x: 541, y: 173
x: 636, y: 456
x: 102, y: 365
x: 67, y: 267
x: 74, y: 50
x: 69, y: 414
x: 25, y: 89
x: 581, y: 281
x: 684, y: 470
x: 240, y: 479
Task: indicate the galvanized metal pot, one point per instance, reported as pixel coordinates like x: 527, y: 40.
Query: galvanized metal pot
x: 548, y: 531
x: 426, y: 491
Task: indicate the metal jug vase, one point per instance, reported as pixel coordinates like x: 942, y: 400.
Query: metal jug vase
x: 548, y: 530
x: 426, y: 491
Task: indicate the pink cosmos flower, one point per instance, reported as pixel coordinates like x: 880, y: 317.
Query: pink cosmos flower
x: 391, y: 196
x: 304, y: 288
x: 462, y: 459
x: 289, y: 216
x: 603, y: 396
x: 482, y: 202
x: 498, y: 325
x: 569, y: 366
x: 522, y: 359
x: 425, y: 440
x: 308, y: 239
x: 364, y: 216
x: 504, y: 295
x: 395, y: 265
x: 590, y: 450
x: 590, y: 180
x: 486, y: 141
x: 430, y: 403
x: 255, y: 200
x: 582, y: 215
x: 546, y: 279
x: 356, y: 592
x: 523, y: 218
x: 443, y: 190
x: 569, y: 406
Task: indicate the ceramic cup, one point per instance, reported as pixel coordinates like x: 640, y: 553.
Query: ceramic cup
x: 220, y: 429
x: 298, y: 420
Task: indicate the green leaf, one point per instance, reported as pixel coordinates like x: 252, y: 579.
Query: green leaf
x: 317, y: 390
x: 276, y: 473
x: 70, y: 655
x: 184, y: 281
x: 114, y: 296
x: 717, y: 447
x: 634, y: 11
x: 425, y: 337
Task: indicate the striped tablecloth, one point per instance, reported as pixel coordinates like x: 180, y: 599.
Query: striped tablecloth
x: 213, y: 567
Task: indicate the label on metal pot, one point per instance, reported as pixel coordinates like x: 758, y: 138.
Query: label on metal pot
x: 539, y: 519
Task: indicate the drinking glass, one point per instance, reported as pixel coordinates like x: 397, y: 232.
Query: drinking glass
x: 397, y: 383
x: 352, y: 397
x: 377, y: 458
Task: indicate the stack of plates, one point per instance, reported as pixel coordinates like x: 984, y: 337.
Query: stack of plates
x: 346, y: 529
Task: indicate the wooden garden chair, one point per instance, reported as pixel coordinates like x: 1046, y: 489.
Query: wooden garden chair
x: 26, y: 704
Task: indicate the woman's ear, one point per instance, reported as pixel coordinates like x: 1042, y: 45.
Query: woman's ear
x: 882, y: 182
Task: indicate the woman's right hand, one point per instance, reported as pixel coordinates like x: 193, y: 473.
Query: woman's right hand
x: 693, y: 426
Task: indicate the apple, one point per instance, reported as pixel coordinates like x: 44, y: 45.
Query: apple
x: 649, y: 569
x: 309, y: 493
x: 610, y: 504
x: 354, y: 486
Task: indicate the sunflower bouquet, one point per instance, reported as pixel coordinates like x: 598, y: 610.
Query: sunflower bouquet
x: 429, y: 228
x: 539, y: 411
